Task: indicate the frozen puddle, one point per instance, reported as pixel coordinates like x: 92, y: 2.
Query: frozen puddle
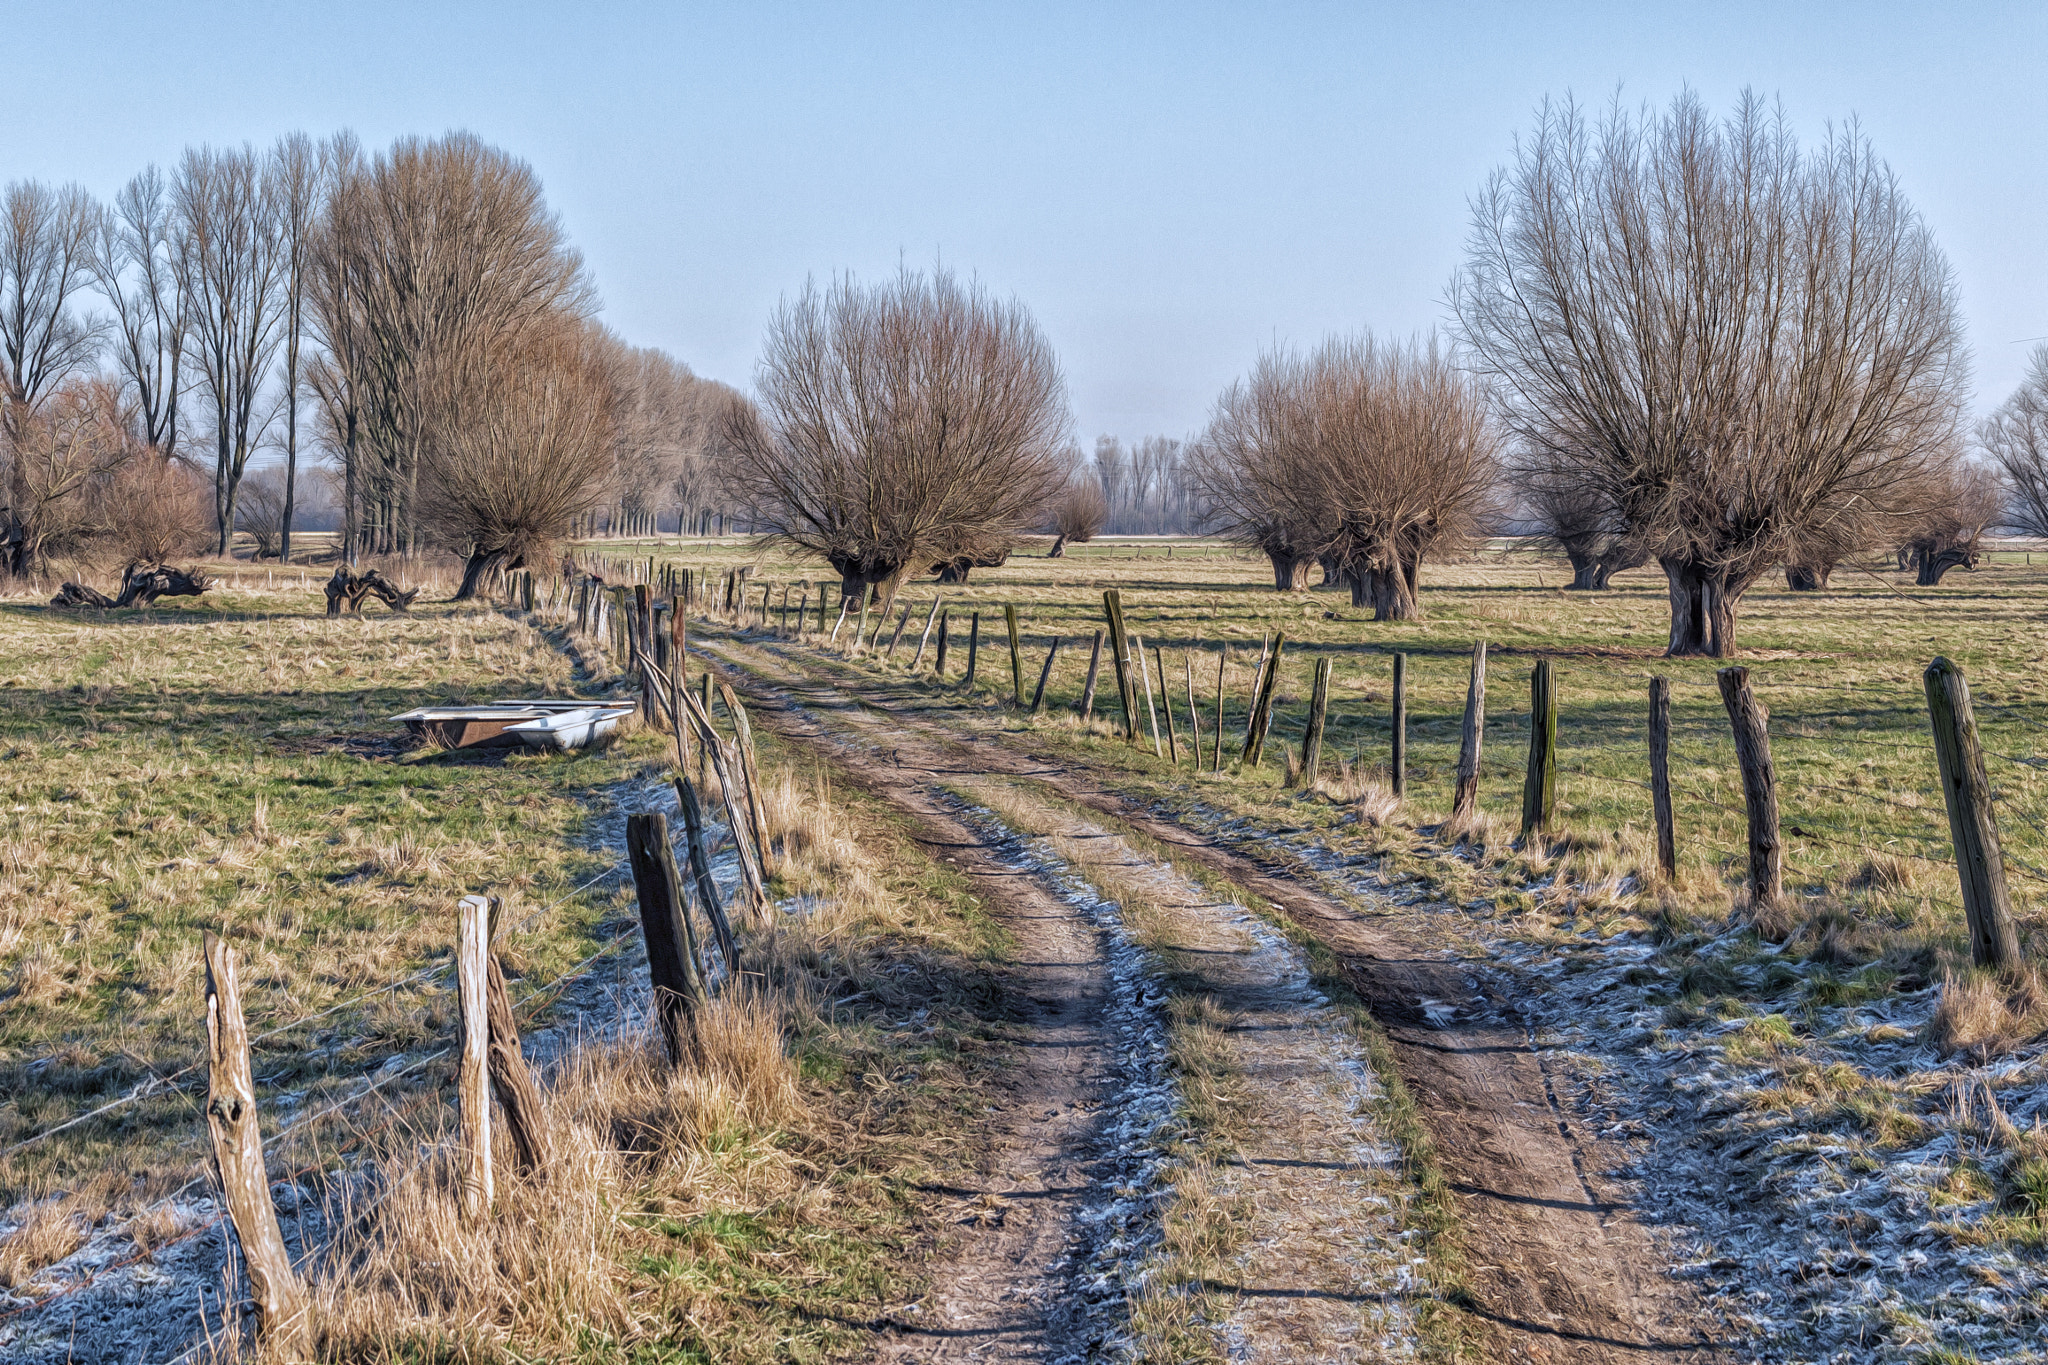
x: 1311, y: 1189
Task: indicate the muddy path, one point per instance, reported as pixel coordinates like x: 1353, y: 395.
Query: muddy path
x: 1560, y: 1267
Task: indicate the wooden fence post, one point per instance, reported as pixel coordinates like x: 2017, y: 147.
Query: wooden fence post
x: 1194, y: 712
x: 1145, y: 676
x: 1120, y: 655
x: 1251, y: 704
x: 1166, y: 705
x: 897, y: 638
x: 238, y: 1152
x: 1399, y: 759
x: 473, y: 1077
x: 700, y: 872
x: 1044, y: 675
x: 1972, y: 824
x: 860, y: 629
x: 1750, y: 720
x: 1539, y: 786
x: 750, y: 773
x: 1471, y: 738
x: 930, y: 617
x: 1016, y: 653
x: 671, y: 945
x: 1216, y: 747
x: 945, y: 630
x: 1660, y: 775
x: 1318, y: 715
x: 1262, y: 704
x: 1094, y: 670
x: 511, y: 1082
x: 973, y: 649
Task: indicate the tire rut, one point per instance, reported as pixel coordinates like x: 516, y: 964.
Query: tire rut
x: 1559, y: 1267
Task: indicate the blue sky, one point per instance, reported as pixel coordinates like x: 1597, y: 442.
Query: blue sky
x: 1168, y: 187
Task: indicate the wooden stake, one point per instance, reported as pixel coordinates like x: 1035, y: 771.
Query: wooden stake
x: 1251, y: 706
x: 1094, y: 669
x: 973, y: 649
x: 1216, y: 746
x: 945, y: 631
x: 1194, y: 712
x: 700, y: 872
x: 1145, y: 676
x: 1972, y: 824
x: 1166, y: 704
x: 750, y: 772
x: 1750, y: 720
x: 1399, y: 775
x: 238, y: 1153
x: 518, y: 1097
x: 1539, y: 786
x: 1262, y: 704
x: 1016, y: 653
x: 1660, y: 775
x: 1318, y: 716
x: 473, y: 1078
x: 897, y: 638
x: 930, y: 617
x: 1120, y: 653
x: 1038, y: 696
x: 1471, y: 738
x: 671, y: 947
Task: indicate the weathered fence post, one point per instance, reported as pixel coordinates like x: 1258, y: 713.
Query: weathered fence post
x: 511, y: 1082
x: 1044, y: 675
x: 1094, y: 669
x: 897, y: 638
x: 1194, y: 712
x: 1318, y: 714
x: 473, y: 1077
x: 1262, y: 703
x: 671, y: 946
x: 930, y: 617
x: 1398, y: 761
x: 825, y: 597
x: 1251, y: 703
x: 700, y: 871
x: 1471, y: 738
x: 1216, y: 748
x: 1539, y: 786
x: 750, y: 773
x: 1660, y: 775
x: 973, y: 649
x: 1120, y: 655
x: 945, y: 630
x: 238, y: 1152
x: 1016, y: 653
x: 1145, y: 676
x: 1972, y: 824
x: 1750, y: 719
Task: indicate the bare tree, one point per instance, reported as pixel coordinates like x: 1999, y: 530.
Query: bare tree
x: 1246, y: 477
x: 296, y: 183
x: 134, y: 264
x: 231, y: 267
x: 1963, y: 501
x: 1751, y: 338
x: 153, y: 510
x: 45, y: 253
x: 525, y: 449
x: 2016, y: 438
x: 260, y: 511
x: 1079, y: 514
x: 899, y: 426
x: 65, y: 452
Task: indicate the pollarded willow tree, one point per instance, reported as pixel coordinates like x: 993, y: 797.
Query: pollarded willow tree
x: 2016, y: 437
x: 899, y: 426
x: 1757, y: 342
x: 1366, y: 455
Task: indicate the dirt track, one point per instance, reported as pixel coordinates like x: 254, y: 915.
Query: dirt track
x: 1560, y: 1268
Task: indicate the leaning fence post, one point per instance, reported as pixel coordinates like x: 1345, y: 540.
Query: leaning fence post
x: 1194, y: 712
x: 1539, y: 786
x: 700, y: 872
x: 1660, y: 775
x: 1471, y: 738
x: 671, y: 947
x: 1145, y: 676
x: 473, y: 1077
x: 1399, y: 759
x: 973, y: 649
x: 1318, y: 713
x: 1750, y: 719
x: 896, y: 638
x: 939, y: 660
x: 511, y: 1082
x: 1262, y: 702
x: 1016, y: 653
x: 238, y: 1151
x: 750, y: 773
x: 1120, y: 655
x: 1044, y: 675
x: 930, y: 617
x: 1094, y: 669
x: 1972, y: 824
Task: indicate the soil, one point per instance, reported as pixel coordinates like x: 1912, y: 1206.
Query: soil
x: 1560, y: 1265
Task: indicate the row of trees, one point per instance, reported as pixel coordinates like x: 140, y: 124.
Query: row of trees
x: 418, y: 316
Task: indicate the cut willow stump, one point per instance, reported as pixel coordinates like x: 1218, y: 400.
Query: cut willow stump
x: 1750, y: 720
x: 512, y: 1082
x: 1660, y: 775
x: 473, y: 1034
x: 1087, y: 709
x: 1539, y: 786
x: 671, y: 946
x: 1972, y: 824
x: 238, y: 1153
x: 1471, y: 738
x: 1318, y: 715
x: 1398, y: 760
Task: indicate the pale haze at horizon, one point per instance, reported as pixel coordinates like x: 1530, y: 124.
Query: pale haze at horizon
x: 1168, y: 188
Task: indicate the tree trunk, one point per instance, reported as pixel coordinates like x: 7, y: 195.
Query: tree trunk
x: 478, y: 573
x: 1702, y: 612
x: 1393, y: 594
x: 1290, y: 571
x: 1807, y: 577
x: 1585, y: 570
x: 1935, y: 563
x: 1059, y: 547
